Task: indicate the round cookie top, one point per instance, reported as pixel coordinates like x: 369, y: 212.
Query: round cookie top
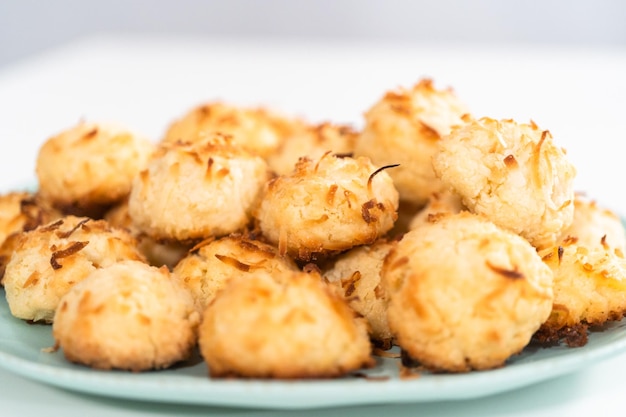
x: 20, y: 211
x: 23, y: 211
x: 211, y: 264
x: 11, y: 217
x: 465, y: 294
x: 404, y: 127
x: 129, y: 316
x: 287, y: 324
x: 595, y: 226
x: 52, y: 258
x: 512, y: 173
x: 327, y: 206
x: 90, y: 165
x: 312, y: 142
x: 259, y: 130
x: 197, y: 190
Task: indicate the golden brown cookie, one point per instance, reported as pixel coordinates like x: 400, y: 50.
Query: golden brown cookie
x: 260, y: 130
x: 52, y: 258
x: 357, y: 275
x: 512, y: 173
x: 11, y: 217
x: 465, y: 294
x: 589, y: 289
x: 20, y: 211
x: 595, y: 226
x: 90, y: 166
x: 312, y: 142
x: 404, y: 127
x: 211, y: 264
x: 197, y: 190
x: 327, y: 206
x: 128, y: 316
x: 288, y: 324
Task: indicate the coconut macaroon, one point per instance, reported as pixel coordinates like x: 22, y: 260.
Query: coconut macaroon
x: 23, y: 210
x: 211, y: 264
x: 404, y: 127
x: 442, y: 203
x: 328, y: 205
x: 288, y: 324
x: 595, y: 226
x: 465, y: 294
x: 260, y: 130
x: 197, y: 190
x: 128, y: 316
x: 167, y: 253
x: 52, y: 258
x: 90, y: 166
x: 589, y: 289
x: 313, y: 142
x: 356, y: 274
x: 20, y: 211
x: 512, y: 173
x: 11, y: 217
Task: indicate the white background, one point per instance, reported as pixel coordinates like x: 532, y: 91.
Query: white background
x: 29, y: 26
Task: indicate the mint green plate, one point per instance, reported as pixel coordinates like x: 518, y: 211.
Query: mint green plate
x: 23, y: 351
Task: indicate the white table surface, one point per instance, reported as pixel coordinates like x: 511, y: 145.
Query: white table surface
x: 144, y: 83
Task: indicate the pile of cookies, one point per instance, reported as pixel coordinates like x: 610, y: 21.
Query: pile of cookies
x: 282, y: 248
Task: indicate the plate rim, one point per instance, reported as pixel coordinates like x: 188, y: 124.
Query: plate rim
x: 308, y: 394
